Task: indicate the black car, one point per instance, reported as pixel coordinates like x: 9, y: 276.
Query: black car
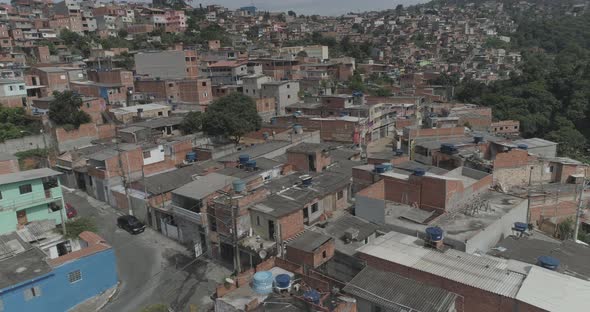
x: 130, y: 224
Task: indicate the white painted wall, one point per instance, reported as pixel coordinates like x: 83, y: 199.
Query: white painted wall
x: 156, y: 155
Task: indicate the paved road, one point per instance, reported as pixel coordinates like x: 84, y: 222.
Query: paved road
x: 152, y: 268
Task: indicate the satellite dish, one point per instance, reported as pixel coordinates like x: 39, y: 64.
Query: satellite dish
x: 262, y: 254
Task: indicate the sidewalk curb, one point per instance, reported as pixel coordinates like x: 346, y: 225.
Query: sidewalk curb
x: 115, y: 291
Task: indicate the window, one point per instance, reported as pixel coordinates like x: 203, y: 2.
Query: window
x: 253, y: 91
x: 87, y: 105
x: 288, y: 86
x: 25, y: 188
x: 340, y: 194
x: 515, y: 127
x: 171, y: 85
x: 32, y: 292
x: 21, y: 87
x: 324, y: 254
x: 11, y: 88
x: 314, y: 208
x: 550, y: 170
x: 74, y: 276
x: 258, y: 220
x: 0, y: 195
x: 147, y: 154
x: 288, y: 96
x: 160, y: 113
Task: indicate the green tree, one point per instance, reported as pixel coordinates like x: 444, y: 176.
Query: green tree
x: 122, y: 33
x: 65, y: 111
x: 356, y: 82
x: 77, y: 226
x: 566, y: 228
x: 125, y: 60
x: 192, y: 122
x: 232, y: 116
x: 292, y: 13
x: 14, y: 123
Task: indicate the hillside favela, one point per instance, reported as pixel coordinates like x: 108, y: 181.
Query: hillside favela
x: 295, y: 156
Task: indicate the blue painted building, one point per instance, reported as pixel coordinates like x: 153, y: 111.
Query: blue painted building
x: 29, y: 281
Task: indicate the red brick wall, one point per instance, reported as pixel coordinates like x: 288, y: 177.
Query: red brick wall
x: 298, y: 160
x: 432, y: 194
x: 9, y: 166
x: 376, y: 190
x: 311, y: 259
x: 291, y: 225
x: 474, y: 299
x: 513, y: 158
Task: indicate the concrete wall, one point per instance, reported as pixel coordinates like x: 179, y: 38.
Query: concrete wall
x: 24, y: 143
x: 370, y: 209
x: 492, y: 234
x: 165, y: 64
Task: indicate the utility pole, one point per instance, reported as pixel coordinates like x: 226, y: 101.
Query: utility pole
x: 122, y: 171
x: 237, y: 265
x: 579, y: 209
x: 528, y: 206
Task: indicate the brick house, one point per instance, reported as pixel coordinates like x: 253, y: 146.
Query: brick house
x: 310, y: 249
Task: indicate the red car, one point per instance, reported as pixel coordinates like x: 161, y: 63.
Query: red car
x: 71, y: 212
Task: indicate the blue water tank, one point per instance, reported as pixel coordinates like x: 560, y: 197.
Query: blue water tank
x: 520, y: 226
x: 262, y: 282
x: 191, y: 156
x: 434, y: 233
x: 239, y: 186
x: 548, y: 262
x: 522, y: 146
x: 312, y: 295
x: 282, y: 281
x: 306, y: 180
x: 399, y: 152
x: 448, y: 148
x: 251, y: 163
x: 244, y: 158
x: 419, y: 172
x: 388, y: 166
x: 273, y: 121
x: 380, y: 168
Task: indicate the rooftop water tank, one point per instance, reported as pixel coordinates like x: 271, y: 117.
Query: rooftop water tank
x: 419, y: 172
x: 380, y: 168
x: 520, y: 226
x: 244, y: 158
x: 312, y: 295
x: 434, y: 233
x: 388, y: 166
x: 298, y: 129
x: 548, y: 262
x: 262, y: 282
x: 251, y: 164
x: 283, y: 281
x: 448, y: 148
x: 399, y: 152
x: 306, y: 180
x: 191, y: 156
x: 239, y: 186
x: 522, y: 146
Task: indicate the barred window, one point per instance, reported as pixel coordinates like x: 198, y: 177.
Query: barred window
x: 74, y: 276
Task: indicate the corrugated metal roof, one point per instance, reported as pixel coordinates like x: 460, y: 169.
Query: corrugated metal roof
x: 398, y: 293
x: 553, y: 291
x: 483, y: 272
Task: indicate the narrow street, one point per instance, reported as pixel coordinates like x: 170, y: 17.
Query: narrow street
x: 152, y: 268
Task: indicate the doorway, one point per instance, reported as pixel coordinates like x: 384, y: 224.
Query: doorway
x: 21, y: 217
x: 271, y: 229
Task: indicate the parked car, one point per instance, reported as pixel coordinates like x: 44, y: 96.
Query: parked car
x: 71, y: 212
x: 130, y: 224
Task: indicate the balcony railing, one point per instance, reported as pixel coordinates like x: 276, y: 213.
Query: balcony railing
x: 186, y: 214
x: 32, y: 199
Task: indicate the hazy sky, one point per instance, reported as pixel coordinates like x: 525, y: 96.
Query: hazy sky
x: 324, y: 7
